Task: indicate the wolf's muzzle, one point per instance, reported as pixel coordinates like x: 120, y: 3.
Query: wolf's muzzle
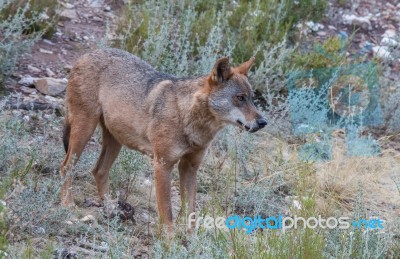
x: 261, y: 123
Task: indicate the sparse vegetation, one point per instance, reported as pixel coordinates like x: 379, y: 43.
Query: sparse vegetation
x: 241, y: 174
x: 21, y: 24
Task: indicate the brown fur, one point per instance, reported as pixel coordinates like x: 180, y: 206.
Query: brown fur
x: 168, y: 118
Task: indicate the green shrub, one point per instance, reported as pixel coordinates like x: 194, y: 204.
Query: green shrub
x: 13, y: 42
x: 244, y: 26
x: 45, y: 10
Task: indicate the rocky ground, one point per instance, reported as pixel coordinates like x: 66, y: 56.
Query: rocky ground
x: 40, y: 78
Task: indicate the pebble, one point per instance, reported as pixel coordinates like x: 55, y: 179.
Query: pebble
x: 381, y: 52
x: 67, y: 68
x: 49, y: 42
x: 34, y: 69
x: 69, y: 14
x: 88, y: 218
x: 69, y: 6
x: 50, y: 73
x: 27, y: 81
x: 361, y: 21
x: 27, y: 90
x: 45, y: 51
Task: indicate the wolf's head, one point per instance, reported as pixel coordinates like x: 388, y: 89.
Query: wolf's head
x: 231, y: 96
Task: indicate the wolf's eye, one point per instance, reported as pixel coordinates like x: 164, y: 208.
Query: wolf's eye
x: 240, y: 98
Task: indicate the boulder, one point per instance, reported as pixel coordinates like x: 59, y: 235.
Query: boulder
x: 50, y: 86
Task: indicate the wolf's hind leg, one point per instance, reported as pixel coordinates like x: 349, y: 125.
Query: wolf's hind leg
x: 109, y: 152
x: 81, y: 129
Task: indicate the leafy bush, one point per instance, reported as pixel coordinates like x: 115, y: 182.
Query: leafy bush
x: 13, y: 42
x: 43, y: 12
x: 242, y: 27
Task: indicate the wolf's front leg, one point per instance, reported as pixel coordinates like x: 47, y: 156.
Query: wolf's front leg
x: 188, y: 166
x: 162, y: 178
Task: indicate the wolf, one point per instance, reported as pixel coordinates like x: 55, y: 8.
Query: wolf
x: 171, y: 119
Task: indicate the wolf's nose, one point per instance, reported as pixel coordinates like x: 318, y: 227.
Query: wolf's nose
x: 261, y: 123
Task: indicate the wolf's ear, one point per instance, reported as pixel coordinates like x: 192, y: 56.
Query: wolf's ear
x: 221, y: 71
x: 245, y: 67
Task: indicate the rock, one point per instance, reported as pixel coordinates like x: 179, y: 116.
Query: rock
x: 389, y: 38
x: 34, y: 69
x: 68, y: 15
x: 27, y: 90
x: 48, y: 116
x: 314, y: 26
x: 95, y: 3
x: 69, y: 6
x: 49, y: 42
x: 45, y: 51
x: 51, y: 86
x: 50, y: 73
x: 381, y: 52
x: 387, y: 41
x: 67, y: 68
x: 321, y: 33
x: 390, y: 33
x: 27, y: 81
x: 33, y: 104
x: 360, y: 21
x: 88, y: 219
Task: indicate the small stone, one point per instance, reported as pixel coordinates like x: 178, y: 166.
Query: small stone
x: 69, y: 14
x: 34, y: 69
x: 360, y: 21
x: 67, y: 68
x: 45, y: 51
x: 69, y: 6
x: 85, y: 37
x: 107, y: 8
x: 95, y: 4
x: 390, y: 33
x: 387, y: 41
x: 27, y: 90
x: 321, y: 33
x: 330, y: 27
x: 27, y: 81
x: 50, y: 73
x: 381, y: 52
x: 88, y: 218
x: 314, y: 26
x: 26, y: 118
x: 51, y: 86
x: 49, y: 42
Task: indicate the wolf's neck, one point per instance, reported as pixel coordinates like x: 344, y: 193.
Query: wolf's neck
x: 200, y: 124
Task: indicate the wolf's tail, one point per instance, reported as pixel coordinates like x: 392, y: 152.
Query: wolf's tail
x: 66, y: 133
